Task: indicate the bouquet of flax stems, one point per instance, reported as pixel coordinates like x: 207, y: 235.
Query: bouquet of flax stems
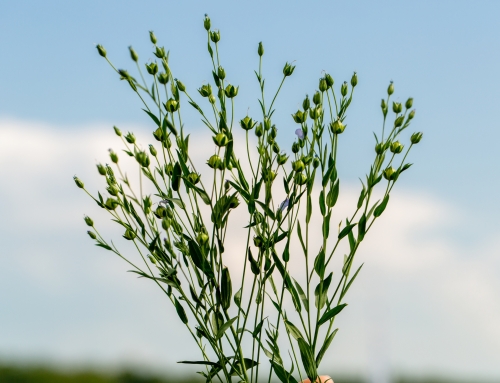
x: 180, y: 230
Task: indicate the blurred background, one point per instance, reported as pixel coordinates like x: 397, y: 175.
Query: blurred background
x: 426, y: 306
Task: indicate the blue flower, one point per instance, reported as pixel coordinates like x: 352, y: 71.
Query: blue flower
x: 284, y: 204
x: 299, y: 134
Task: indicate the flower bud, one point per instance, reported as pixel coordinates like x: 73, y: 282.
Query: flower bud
x: 78, y: 182
x: 260, y: 49
x: 329, y: 80
x: 215, y: 36
x: 316, y: 112
x: 231, y: 91
x: 133, y: 54
x: 117, y: 131
x: 390, y: 173
x: 416, y: 137
x: 111, y: 204
x: 258, y: 241
x: 212, y: 99
x: 323, y: 86
x: 390, y: 89
x: 299, y: 117
x: 317, y: 98
x: 130, y: 138
x: 91, y: 234
x: 411, y: 115
x: 397, y: 107
x: 180, y: 85
x: 220, y: 139
x: 315, y: 162
x: 409, y: 103
x: 343, y: 89
x: 163, y: 78
x: 354, y: 80
x: 129, y: 234
x: 337, y: 127
x: 298, y: 166
x: 172, y: 105
x: 300, y: 178
x: 247, y: 123
x: 276, y: 148
x: 396, y: 147
x: 205, y: 90
x: 306, y: 160
x: 221, y: 73
x: 152, y: 150
x: 306, y: 103
x: 160, y: 212
x: 152, y: 37
x: 399, y: 121
x: 152, y: 68
x: 88, y: 221
x: 206, y: 22
x: 101, y: 169
x: 101, y: 50
x: 193, y: 177
x: 259, y: 131
x: 288, y: 69
x: 158, y: 134
x: 281, y: 159
x: 202, y: 238
x: 113, y: 156
x: 267, y: 124
x: 295, y: 148
x: 169, y: 169
x: 142, y: 158
x: 274, y: 132
x: 160, y: 52
x: 215, y: 162
x: 379, y: 148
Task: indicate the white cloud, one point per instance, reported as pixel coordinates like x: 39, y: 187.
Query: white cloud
x: 434, y: 300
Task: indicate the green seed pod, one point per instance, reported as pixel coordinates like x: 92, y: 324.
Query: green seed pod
x: 315, y: 162
x: 317, y: 98
x: 205, y: 90
x: 160, y: 212
x: 214, y: 162
x: 101, y: 169
x: 299, y: 117
x: 78, y: 182
x: 276, y: 148
x: 129, y: 234
x: 306, y: 103
x: 379, y: 148
x: 274, y: 132
x: 193, y: 177
x: 316, y: 112
x: 88, y: 221
x: 206, y: 22
x: 258, y: 241
x: 152, y: 259
x: 337, y: 127
x: 169, y: 169
x: 133, y: 54
x: 399, y: 121
x: 152, y: 68
x: 390, y: 173
x: 172, y: 105
x: 409, y: 103
x: 212, y: 99
x: 130, y: 138
x: 180, y: 85
x: 152, y: 37
x: 215, y: 36
x: 390, y: 89
x: 160, y: 52
x: 112, y: 190
x: 101, y: 50
x: 158, y: 134
x: 143, y: 159
x: 329, y: 80
x: 91, y: 234
x: 117, y: 131
x: 113, y: 156
x: 267, y: 124
x: 397, y: 107
x: 259, y: 131
x: 323, y: 86
x: 231, y: 91
x: 111, y: 204
x: 306, y: 160
x: 396, y: 147
x: 295, y: 148
x: 247, y: 123
x: 416, y: 137
x: 298, y: 166
x: 300, y: 178
x: 260, y: 49
x: 220, y: 140
x: 288, y: 69
x: 152, y: 150
x: 281, y: 159
x: 202, y: 238
x: 163, y: 78
x: 411, y: 115
x: 354, y: 80
x: 343, y: 89
x: 165, y: 223
x: 221, y: 73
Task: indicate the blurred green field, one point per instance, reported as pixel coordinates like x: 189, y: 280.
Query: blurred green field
x: 41, y: 374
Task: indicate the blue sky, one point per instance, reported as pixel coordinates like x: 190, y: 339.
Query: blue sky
x: 54, y: 87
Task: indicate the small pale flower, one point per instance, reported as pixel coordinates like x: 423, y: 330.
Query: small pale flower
x: 284, y: 204
x: 299, y: 134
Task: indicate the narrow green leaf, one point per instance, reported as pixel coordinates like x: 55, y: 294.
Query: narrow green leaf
x: 293, y: 330
x: 344, y: 292
x: 302, y: 295
x: 346, y: 230
x: 153, y: 117
x: 224, y: 327
x: 309, y: 208
x: 254, y: 266
x: 333, y: 194
x: 325, y: 346
x: 380, y: 208
x: 202, y: 362
x: 329, y: 314
x: 319, y: 263
x: 308, y: 359
x: 180, y: 311
x: 322, y: 205
x: 361, y: 228
x: 226, y: 288
x: 176, y: 177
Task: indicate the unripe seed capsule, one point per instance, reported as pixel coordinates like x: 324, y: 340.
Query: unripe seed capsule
x: 133, y: 54
x: 260, y: 49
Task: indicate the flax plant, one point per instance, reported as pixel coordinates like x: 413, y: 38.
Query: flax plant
x: 181, y: 248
